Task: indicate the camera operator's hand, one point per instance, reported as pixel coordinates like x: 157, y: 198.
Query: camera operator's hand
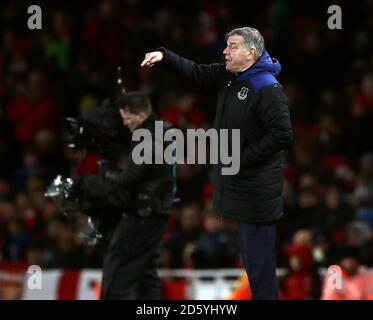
x: 91, y: 187
x: 103, y: 195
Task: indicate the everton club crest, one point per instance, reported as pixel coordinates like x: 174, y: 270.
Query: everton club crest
x: 242, y: 94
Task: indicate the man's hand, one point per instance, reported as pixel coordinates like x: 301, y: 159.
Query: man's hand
x: 151, y: 58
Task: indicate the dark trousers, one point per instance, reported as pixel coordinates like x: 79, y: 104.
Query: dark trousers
x: 130, y: 264
x: 258, y: 251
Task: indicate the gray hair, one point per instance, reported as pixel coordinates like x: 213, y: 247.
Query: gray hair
x: 252, y: 38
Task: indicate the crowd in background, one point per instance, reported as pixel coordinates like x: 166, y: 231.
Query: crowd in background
x: 69, y: 66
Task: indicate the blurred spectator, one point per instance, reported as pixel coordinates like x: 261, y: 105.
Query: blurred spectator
x: 334, y: 214
x: 56, y: 45
x: 16, y: 240
x: 363, y: 101
x: 35, y: 255
x: 101, y: 34
x: 298, y: 283
x: 301, y: 111
x: 363, y: 193
x: 187, y: 232
x: 190, y: 179
x: 301, y: 246
x: 359, y: 237
x: 67, y: 253
x: 32, y: 109
x: 30, y: 168
x: 217, y: 247
x: 329, y: 139
x: 302, y: 255
x: 184, y: 114
x: 5, y: 190
x: 308, y: 207
x: 360, y: 132
x: 355, y: 283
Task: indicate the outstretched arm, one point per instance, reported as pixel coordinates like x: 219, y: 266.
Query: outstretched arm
x: 204, y: 75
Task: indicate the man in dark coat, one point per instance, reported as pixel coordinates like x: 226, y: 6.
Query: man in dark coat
x: 143, y: 194
x: 250, y: 99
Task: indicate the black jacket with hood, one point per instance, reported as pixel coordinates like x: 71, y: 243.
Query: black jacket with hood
x: 254, y: 102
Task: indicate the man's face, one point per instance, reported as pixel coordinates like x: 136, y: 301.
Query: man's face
x: 237, y: 57
x: 132, y: 120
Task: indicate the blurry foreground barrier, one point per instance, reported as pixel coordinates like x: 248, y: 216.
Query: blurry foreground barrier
x: 62, y: 284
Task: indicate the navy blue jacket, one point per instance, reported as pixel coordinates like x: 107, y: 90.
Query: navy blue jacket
x: 254, y: 102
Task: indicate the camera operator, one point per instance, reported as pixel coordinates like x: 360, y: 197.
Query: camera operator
x: 130, y: 263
